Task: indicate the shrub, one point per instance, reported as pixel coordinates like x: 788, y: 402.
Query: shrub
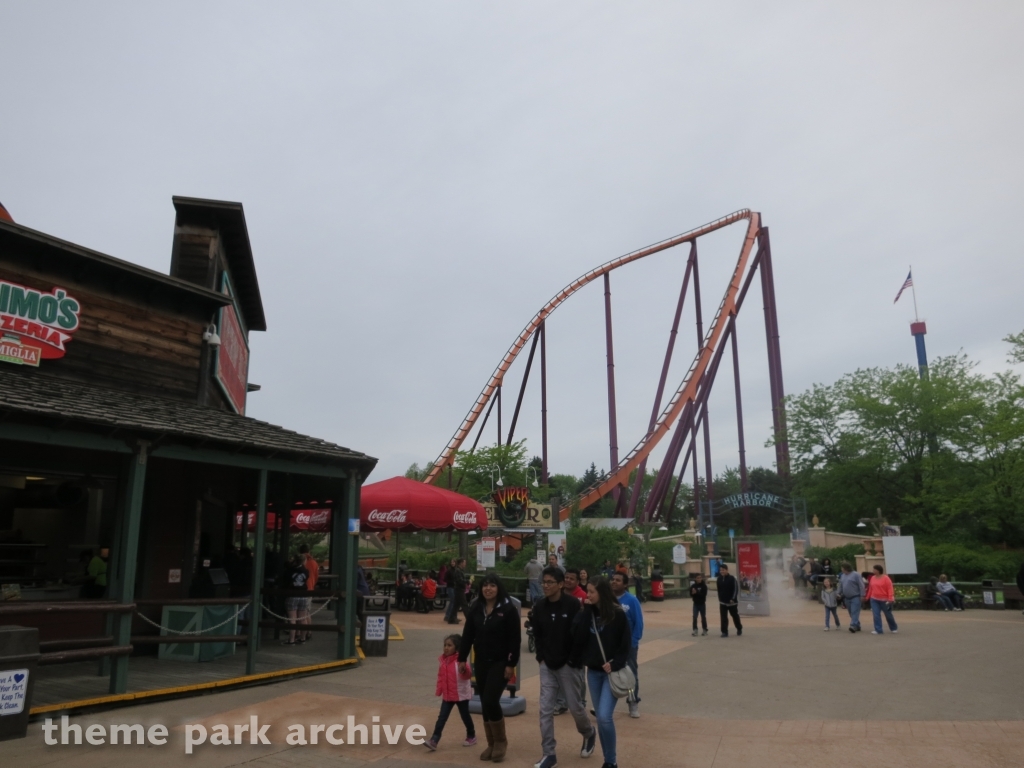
x: 837, y: 555
x: 962, y: 563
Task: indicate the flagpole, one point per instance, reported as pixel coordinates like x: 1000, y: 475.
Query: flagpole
x: 913, y: 291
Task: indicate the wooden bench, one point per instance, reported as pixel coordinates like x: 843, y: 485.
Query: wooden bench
x: 1012, y: 594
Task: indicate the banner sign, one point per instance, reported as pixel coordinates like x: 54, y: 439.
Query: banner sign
x: 751, y: 575
x: 313, y: 520
x: 556, y: 546
x: 34, y: 325
x: 232, y: 368
x: 487, y: 547
x: 533, y: 516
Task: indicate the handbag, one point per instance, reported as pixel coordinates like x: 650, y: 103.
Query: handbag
x: 622, y: 680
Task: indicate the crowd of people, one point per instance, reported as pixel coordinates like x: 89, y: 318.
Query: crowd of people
x: 587, y: 631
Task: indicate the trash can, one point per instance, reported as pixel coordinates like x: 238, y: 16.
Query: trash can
x: 657, y: 585
x: 992, y: 595
x: 19, y: 654
x: 373, y: 636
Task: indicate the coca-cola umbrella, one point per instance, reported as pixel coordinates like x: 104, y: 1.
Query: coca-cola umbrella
x: 401, y: 504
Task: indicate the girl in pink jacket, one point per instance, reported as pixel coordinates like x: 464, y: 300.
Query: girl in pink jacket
x: 454, y: 690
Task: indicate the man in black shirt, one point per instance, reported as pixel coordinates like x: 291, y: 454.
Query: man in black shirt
x: 699, y: 595
x: 552, y: 620
x: 728, y: 600
x: 457, y: 582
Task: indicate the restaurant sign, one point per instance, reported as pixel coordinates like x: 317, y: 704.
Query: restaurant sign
x: 35, y: 326
x: 232, y: 361
x: 531, y: 515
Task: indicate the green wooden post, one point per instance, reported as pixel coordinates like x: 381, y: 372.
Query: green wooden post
x: 259, y: 555
x: 348, y: 547
x: 127, y: 562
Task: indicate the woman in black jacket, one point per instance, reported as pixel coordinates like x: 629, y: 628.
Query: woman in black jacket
x: 493, y: 632
x: 603, y: 617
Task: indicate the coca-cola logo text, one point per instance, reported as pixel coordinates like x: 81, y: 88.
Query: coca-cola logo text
x: 387, y: 518
x: 465, y: 518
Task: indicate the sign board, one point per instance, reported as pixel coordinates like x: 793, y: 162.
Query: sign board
x: 732, y: 533
x: 232, y: 362
x: 479, y: 556
x: 487, y: 546
x: 536, y: 516
x: 13, y: 691
x: 891, y: 530
x: 376, y: 627
x: 35, y: 326
x: 752, y: 579
x: 556, y: 546
x: 900, y: 555
x: 679, y: 554
x: 174, y: 576
x: 353, y: 526
x: 503, y: 550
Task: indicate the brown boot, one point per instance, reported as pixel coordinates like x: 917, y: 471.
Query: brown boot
x: 500, y: 742
x: 486, y: 754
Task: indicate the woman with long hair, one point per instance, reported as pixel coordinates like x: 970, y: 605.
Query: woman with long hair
x: 603, y: 618
x: 493, y: 632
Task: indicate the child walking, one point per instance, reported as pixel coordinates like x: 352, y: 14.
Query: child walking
x: 830, y: 600
x: 454, y: 690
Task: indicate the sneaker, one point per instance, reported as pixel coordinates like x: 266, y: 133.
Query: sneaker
x: 853, y: 631
x: 589, y: 742
x: 548, y: 761
x: 431, y: 745
x: 895, y: 632
x: 873, y: 632
x: 470, y: 741
x: 837, y: 626
x: 634, y: 709
x: 739, y: 631
x: 695, y: 633
x: 609, y: 765
x: 704, y: 633
x: 561, y: 710
x: 826, y: 629
x: 725, y: 634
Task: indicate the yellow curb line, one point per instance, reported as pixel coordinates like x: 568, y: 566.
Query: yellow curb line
x: 397, y: 629
x: 141, y: 695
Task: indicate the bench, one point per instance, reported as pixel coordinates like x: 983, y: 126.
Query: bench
x: 1012, y: 594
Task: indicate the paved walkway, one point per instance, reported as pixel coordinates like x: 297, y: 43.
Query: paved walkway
x: 944, y: 691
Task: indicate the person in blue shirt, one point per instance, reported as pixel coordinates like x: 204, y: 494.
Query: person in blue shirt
x: 631, y: 606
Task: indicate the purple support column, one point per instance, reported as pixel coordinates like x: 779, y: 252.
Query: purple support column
x: 613, y: 438
x: 700, y: 345
x: 774, y: 355
x: 739, y: 421
x: 522, y: 388
x: 543, y: 404
x: 642, y: 469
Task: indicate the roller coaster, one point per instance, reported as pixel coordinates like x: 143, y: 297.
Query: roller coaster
x: 684, y: 418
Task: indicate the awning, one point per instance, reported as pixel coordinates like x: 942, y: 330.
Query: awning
x: 401, y: 504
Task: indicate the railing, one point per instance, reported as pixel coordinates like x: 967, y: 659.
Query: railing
x: 56, y: 651
x: 175, y: 637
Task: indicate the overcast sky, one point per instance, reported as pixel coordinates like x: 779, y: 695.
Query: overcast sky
x: 419, y: 178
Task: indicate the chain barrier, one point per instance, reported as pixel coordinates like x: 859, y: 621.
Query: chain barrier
x: 170, y: 631
x: 311, y: 614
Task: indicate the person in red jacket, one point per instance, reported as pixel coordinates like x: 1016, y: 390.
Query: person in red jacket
x: 882, y: 597
x: 455, y: 690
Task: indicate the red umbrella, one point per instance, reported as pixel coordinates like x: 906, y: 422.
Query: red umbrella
x: 401, y: 504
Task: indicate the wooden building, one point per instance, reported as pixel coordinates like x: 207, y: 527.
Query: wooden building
x: 123, y: 432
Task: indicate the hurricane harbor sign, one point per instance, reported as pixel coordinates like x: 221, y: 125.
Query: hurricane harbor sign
x: 35, y: 326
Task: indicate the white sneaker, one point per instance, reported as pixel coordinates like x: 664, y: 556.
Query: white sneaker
x: 634, y: 709
x: 826, y: 629
x: 875, y: 633
x: 894, y: 632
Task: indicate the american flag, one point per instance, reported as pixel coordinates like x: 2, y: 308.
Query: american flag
x: 909, y: 282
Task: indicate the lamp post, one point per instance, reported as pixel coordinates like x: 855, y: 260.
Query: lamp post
x: 535, y: 483
x: 500, y: 483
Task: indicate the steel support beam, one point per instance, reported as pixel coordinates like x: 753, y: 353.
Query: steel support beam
x: 613, y: 429
x: 642, y: 469
x: 774, y: 354
x: 543, y: 403
x: 739, y: 421
x: 127, y: 560
x: 499, y: 415
x: 256, y: 587
x: 522, y: 388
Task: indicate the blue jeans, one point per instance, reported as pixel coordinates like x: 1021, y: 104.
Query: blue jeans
x: 536, y: 592
x: 945, y: 601
x: 853, y: 606
x: 448, y: 609
x: 632, y: 664
x: 829, y: 612
x: 604, y: 705
x: 442, y: 718
x: 878, y: 607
